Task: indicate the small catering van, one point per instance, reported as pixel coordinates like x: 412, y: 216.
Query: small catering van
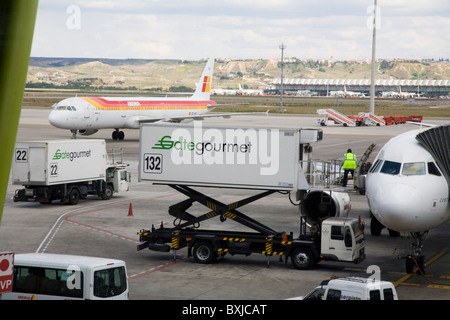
x: 67, y: 277
x: 353, y: 288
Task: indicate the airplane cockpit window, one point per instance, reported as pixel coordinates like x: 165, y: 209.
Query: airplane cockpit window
x: 376, y: 166
x: 391, y: 167
x: 69, y: 108
x: 432, y: 169
x: 413, y: 168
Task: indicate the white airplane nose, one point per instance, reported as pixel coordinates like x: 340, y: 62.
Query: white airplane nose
x: 397, y: 206
x: 54, y: 119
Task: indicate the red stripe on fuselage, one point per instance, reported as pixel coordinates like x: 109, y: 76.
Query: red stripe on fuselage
x: 102, y: 103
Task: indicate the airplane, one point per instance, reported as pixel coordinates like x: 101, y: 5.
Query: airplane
x: 223, y: 92
x: 250, y: 92
x: 87, y: 115
x: 344, y: 93
x: 407, y: 187
x: 406, y: 95
x: 399, y: 94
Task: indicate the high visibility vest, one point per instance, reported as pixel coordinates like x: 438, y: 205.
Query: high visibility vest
x: 349, y: 161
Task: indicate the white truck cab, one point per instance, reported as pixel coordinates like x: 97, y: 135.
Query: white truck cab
x: 353, y: 288
x: 342, y: 240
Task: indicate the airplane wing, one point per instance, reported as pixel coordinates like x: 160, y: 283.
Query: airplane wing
x: 421, y: 124
x: 197, y: 116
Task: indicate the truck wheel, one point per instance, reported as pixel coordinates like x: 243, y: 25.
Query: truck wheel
x: 108, y: 193
x: 302, y: 259
x: 203, y: 252
x: 74, y: 196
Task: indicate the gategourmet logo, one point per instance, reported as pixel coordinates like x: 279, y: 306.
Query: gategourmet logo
x: 71, y: 155
x: 226, y: 146
x: 166, y: 143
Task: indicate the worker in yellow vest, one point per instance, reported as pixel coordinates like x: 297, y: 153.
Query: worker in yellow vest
x: 348, y: 163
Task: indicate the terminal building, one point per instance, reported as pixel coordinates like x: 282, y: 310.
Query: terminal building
x: 383, y: 87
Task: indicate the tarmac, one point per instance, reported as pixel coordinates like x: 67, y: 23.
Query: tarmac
x: 109, y: 228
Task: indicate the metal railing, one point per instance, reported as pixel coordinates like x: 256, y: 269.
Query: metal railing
x: 323, y: 173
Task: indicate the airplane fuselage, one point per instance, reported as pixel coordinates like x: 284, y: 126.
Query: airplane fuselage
x: 86, y: 113
x: 405, y: 189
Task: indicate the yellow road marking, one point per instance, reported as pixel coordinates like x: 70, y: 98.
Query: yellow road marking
x: 409, y: 275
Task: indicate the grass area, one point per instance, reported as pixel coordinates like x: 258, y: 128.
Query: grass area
x: 347, y: 106
x: 291, y: 105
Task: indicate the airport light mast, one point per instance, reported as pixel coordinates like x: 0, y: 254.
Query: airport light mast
x: 372, y: 74
x: 282, y: 47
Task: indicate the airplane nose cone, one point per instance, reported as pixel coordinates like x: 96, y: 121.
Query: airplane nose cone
x: 397, y: 206
x: 54, y: 119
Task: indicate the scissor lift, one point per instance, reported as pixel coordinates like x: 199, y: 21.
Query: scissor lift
x: 207, y: 245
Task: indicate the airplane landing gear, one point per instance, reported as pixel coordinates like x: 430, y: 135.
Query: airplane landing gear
x: 118, y: 135
x: 74, y: 133
x: 416, y: 259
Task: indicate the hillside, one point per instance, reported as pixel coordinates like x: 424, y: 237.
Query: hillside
x: 253, y: 73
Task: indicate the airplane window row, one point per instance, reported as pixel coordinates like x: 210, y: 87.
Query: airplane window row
x: 409, y: 168
x: 70, y: 108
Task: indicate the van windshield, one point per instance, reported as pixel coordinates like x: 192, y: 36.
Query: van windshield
x: 316, y: 294
x: 110, y: 282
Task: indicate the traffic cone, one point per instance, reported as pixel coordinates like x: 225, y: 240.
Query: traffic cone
x: 130, y: 211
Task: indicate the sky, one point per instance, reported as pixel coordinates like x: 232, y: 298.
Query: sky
x: 249, y: 29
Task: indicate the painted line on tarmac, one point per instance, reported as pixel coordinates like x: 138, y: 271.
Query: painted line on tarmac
x: 155, y: 269
x: 409, y: 275
x: 75, y: 212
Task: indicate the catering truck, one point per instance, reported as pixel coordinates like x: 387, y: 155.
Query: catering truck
x: 266, y: 160
x: 67, y: 170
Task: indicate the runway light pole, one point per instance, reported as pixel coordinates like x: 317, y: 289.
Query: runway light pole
x: 282, y: 47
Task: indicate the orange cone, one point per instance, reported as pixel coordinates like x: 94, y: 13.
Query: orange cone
x: 130, y: 211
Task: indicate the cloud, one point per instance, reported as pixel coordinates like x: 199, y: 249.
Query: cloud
x: 184, y: 29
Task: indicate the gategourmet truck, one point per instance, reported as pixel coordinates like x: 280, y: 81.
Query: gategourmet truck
x: 67, y: 170
x: 266, y: 160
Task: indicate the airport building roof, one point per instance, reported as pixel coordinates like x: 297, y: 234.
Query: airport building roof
x: 361, y: 82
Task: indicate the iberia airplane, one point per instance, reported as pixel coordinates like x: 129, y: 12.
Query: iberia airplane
x: 86, y: 115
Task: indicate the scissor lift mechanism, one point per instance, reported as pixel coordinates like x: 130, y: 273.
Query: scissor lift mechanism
x: 207, y: 245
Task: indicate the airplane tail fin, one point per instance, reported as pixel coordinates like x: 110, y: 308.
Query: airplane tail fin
x: 203, y: 90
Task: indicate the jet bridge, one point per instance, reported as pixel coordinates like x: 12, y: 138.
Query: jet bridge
x: 437, y: 141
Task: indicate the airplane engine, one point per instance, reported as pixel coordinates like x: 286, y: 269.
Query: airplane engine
x: 319, y: 205
x: 87, y: 132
